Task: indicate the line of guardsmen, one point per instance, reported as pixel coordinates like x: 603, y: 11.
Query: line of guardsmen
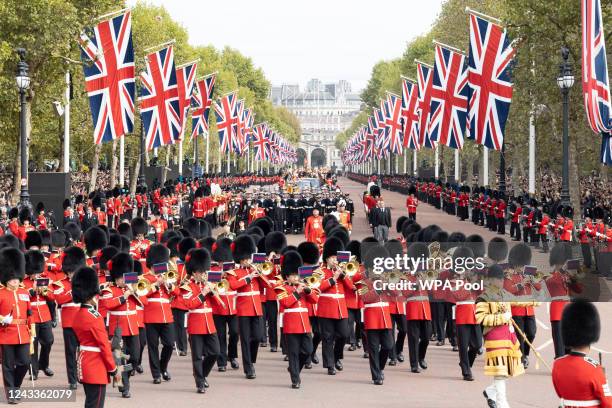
x: 216, y: 292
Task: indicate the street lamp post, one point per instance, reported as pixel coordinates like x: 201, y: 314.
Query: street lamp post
x: 565, y: 81
x: 23, y: 83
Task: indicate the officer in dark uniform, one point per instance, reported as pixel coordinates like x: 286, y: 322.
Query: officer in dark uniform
x: 268, y: 204
x: 278, y: 213
x: 291, y: 210
x: 350, y: 206
x: 300, y: 204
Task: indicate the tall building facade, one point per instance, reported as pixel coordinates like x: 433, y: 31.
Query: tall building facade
x: 324, y: 110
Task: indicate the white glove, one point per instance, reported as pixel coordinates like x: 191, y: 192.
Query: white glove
x: 507, y: 316
x: 8, y: 319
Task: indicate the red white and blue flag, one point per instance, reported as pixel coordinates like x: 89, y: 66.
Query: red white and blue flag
x: 260, y: 142
x: 227, y: 120
x: 109, y: 77
x: 490, y: 86
x: 240, y: 136
x: 424, y: 81
x: 201, y: 100
x: 371, y: 132
x: 159, y: 99
x: 410, y: 114
x: 393, y: 125
x: 185, y: 78
x: 448, y: 112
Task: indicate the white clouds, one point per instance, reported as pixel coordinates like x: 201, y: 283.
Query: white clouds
x: 293, y: 41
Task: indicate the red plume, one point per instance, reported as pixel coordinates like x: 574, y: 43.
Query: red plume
x: 233, y: 247
x: 214, y: 247
x: 188, y: 258
x: 109, y: 265
x: 282, y: 258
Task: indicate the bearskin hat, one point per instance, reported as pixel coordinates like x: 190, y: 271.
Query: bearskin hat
x: 96, y: 202
x: 169, y: 234
x: 355, y: 248
x: 409, y: 228
x: 66, y: 203
x: 114, y: 240
x: 463, y: 252
x: 412, y: 190
x: 580, y: 326
x: 184, y: 245
x: 139, y: 226
x: 394, y: 247
x: 193, y: 227
x: 331, y: 247
x: 72, y: 259
x: 400, y: 223
x: 418, y: 249
x: 85, y: 284
x: 33, y: 239
x: 265, y: 223
x: 275, y: 242
x: 476, y: 243
x: 12, y: 264
x: 559, y: 253
x: 197, y: 260
x: 74, y: 230
x: 125, y: 244
x: 243, y: 247
x: 25, y: 215
x: 375, y: 191
x: 290, y: 263
x: 221, y: 250
x: 497, y: 249
x: 495, y: 272
x: 206, y: 190
x: 456, y: 237
x: 256, y: 232
x: 40, y: 207
x: 341, y: 233
x: 125, y: 229
x: 13, y: 213
x: 568, y: 211
x: 156, y: 254
x: 172, y: 245
x: 34, y: 262
x: 106, y: 254
x: 309, y: 252
x: 519, y: 255
x: 598, y: 213
x: 206, y: 243
x: 95, y: 238
x: 120, y: 263
x: 198, y: 193
x: 377, y: 251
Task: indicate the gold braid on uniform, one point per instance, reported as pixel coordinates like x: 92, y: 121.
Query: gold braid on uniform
x: 503, y: 356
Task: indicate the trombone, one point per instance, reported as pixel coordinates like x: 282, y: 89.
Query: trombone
x: 142, y: 287
x: 314, y: 281
x: 350, y: 268
x: 264, y: 270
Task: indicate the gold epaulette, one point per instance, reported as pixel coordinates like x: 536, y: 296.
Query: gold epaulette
x: 186, y: 287
x: 281, y: 292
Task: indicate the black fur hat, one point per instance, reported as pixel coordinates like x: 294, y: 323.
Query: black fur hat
x: 374, y: 252
x: 580, y: 324
x: 157, y: 253
x: 309, y: 252
x: 33, y: 239
x: 331, y: 247
x: 172, y: 245
x: 341, y: 233
x: 375, y: 191
x: 394, y: 247
x: 95, y: 238
x: 264, y: 223
x: 106, y: 254
x: 192, y: 225
x: 72, y: 259
x: 125, y: 244
x: 198, y: 260
x: 355, y: 248
x: 476, y: 243
x: 115, y: 240
x: 25, y: 215
x: 34, y: 262
x: 206, y: 243
x: 495, y: 272
x: 13, y: 213
x: 417, y: 249
x: 85, y: 284
x: 139, y: 226
x: 559, y: 253
x: 497, y: 249
x: 520, y: 255
x: 185, y: 245
x: 400, y: 223
x: 291, y: 262
x: 275, y: 242
x: 169, y: 234
x: 74, y: 230
x: 243, y: 248
x: 12, y: 264
x: 120, y: 263
x: 125, y: 229
x: 9, y: 240
x: 221, y: 250
x: 255, y: 232
x: 456, y: 237
x: 46, y: 237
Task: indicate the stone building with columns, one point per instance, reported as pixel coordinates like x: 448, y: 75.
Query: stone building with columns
x: 324, y: 110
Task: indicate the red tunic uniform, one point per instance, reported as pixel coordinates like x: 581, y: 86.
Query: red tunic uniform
x: 411, y: 204
x: 62, y: 289
x: 228, y: 307
x: 580, y: 382
x: 376, y: 311
x: 121, y: 310
x: 95, y: 360
x: 294, y: 309
x: 417, y: 303
x: 200, y: 316
x: 157, y: 309
x: 313, y: 231
x: 38, y: 302
x: 248, y: 297
x: 332, y: 301
x: 15, y: 303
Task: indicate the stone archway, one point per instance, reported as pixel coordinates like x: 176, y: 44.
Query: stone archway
x: 301, y: 157
x: 318, y: 158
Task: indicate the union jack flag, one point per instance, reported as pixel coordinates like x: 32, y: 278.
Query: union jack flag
x: 225, y: 112
x: 448, y: 111
x: 159, y: 100
x: 200, y: 102
x: 382, y: 141
x: 606, y: 149
x: 239, y: 137
x: 260, y: 142
x: 595, y: 85
x: 490, y: 85
x: 424, y: 81
x: 248, y: 118
x: 109, y: 77
x: 393, y: 125
x: 410, y: 114
x: 371, y: 136
x: 185, y: 78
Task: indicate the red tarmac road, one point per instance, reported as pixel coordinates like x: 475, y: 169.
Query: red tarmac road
x: 438, y: 386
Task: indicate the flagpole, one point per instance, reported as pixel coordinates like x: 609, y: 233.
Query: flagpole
x: 414, y: 163
x: 122, y: 161
x: 456, y: 165
x: 180, y: 154
x: 228, y: 162
x: 207, y: 147
x: 532, y: 153
x: 67, y: 125
x: 437, y: 162
x: 485, y: 166
x: 405, y: 160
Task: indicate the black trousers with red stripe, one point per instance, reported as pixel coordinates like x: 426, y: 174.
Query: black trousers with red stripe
x: 95, y: 394
x: 15, y: 364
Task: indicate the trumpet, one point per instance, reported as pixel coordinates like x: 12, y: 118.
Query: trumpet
x: 142, y: 287
x: 349, y: 268
x: 170, y: 277
x: 313, y: 281
x: 221, y: 287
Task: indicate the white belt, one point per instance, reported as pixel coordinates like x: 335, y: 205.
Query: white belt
x: 90, y: 348
x: 139, y: 308
x: 203, y: 310
x: 465, y: 302
x: 123, y: 313
x: 296, y: 310
x: 71, y: 305
x: 573, y: 403
x: 377, y: 304
x: 565, y: 297
x: 229, y: 293
x: 159, y: 300
x: 41, y: 303
x: 332, y: 295
x: 417, y: 299
x: 252, y: 293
